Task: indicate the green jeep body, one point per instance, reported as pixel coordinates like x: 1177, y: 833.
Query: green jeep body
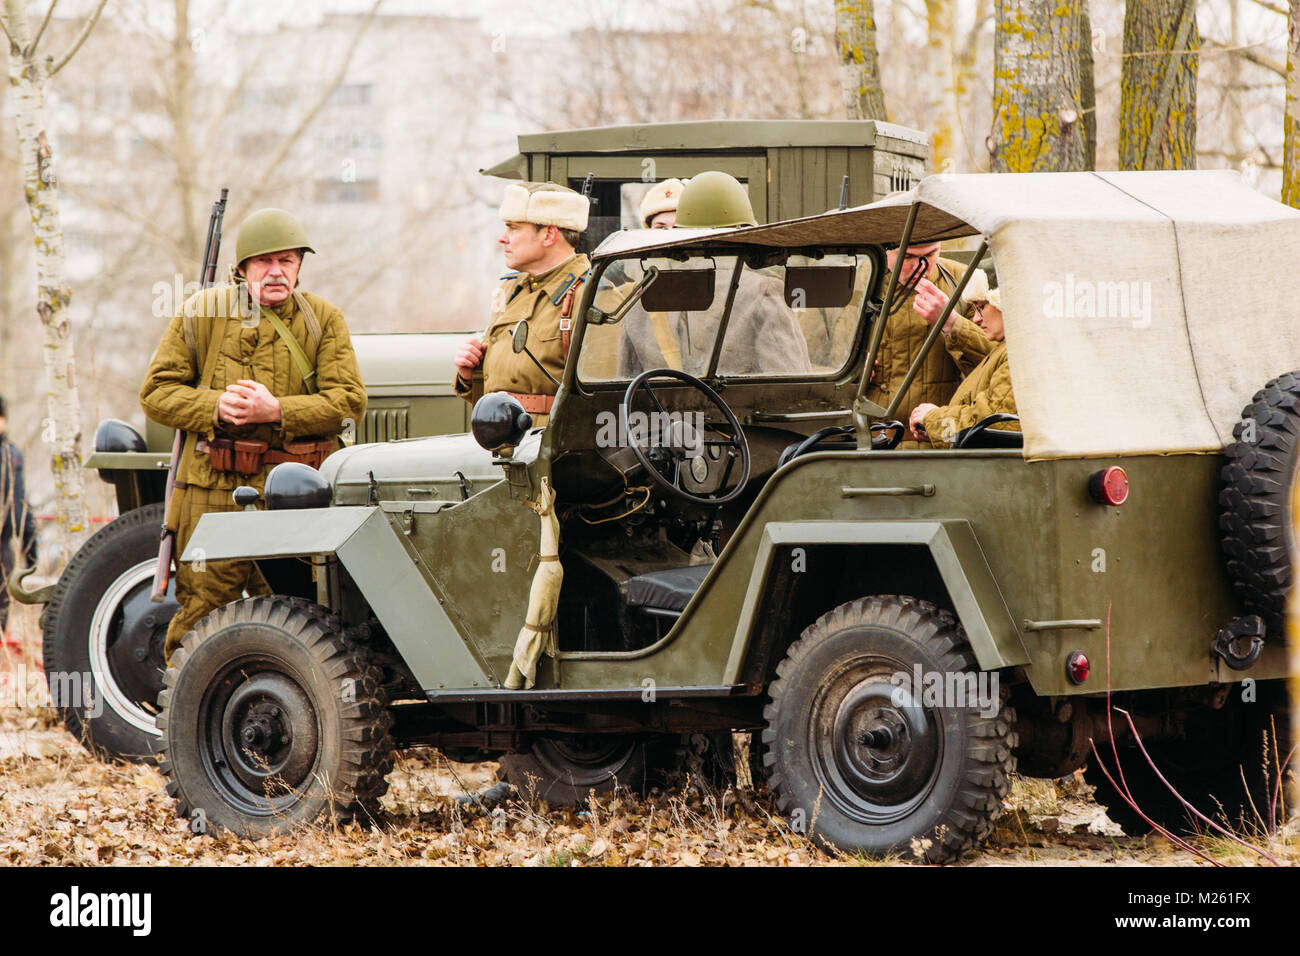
x: 978, y: 563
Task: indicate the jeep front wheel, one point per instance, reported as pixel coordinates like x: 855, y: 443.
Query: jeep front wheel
x: 868, y: 762
x: 271, y: 719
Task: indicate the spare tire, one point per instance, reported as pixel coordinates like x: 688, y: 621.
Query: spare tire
x: 1259, y: 481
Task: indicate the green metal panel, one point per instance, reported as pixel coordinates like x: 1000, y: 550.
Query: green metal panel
x: 384, y: 566
x: 974, y: 592
x: 711, y: 135
x: 273, y: 534
x: 130, y: 460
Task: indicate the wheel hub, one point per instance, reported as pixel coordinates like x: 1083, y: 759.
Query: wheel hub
x: 268, y: 734
x: 878, y: 749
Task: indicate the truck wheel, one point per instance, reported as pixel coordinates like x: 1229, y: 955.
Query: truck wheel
x: 868, y: 763
x: 565, y: 770
x: 1259, y: 482
x: 103, y: 638
x: 1206, y: 767
x: 270, y: 719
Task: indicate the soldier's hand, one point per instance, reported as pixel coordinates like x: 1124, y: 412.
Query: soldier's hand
x: 916, y: 421
x: 248, y: 402
x: 469, y: 357
x: 929, y: 304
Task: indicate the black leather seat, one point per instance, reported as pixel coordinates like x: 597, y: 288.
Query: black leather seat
x: 666, y: 593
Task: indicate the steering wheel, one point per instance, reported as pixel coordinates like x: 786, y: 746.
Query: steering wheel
x: 658, y: 452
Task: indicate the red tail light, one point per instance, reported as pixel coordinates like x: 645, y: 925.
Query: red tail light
x: 1109, y: 486
x: 1077, y: 667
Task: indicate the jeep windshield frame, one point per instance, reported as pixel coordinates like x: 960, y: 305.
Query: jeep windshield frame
x: 740, y: 258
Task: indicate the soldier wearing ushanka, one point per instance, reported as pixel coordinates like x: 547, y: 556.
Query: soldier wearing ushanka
x: 543, y: 225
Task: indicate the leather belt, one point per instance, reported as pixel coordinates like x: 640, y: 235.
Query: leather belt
x: 534, y: 404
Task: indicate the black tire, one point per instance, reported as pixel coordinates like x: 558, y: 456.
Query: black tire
x: 271, y: 719
x: 935, y: 774
x: 101, y: 630
x: 1206, y: 767
x: 565, y: 770
x: 1259, y: 480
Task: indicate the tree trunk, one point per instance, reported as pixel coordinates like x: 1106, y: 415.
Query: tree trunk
x: 855, y: 36
x: 1087, y: 88
x: 1038, y: 87
x: 1157, y: 108
x: 62, y: 431
x: 941, y: 84
x: 1291, y: 124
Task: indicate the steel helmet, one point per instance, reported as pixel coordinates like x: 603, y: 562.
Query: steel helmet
x: 714, y: 199
x: 269, y: 230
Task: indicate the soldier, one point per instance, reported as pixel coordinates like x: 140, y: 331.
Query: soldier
x: 659, y: 204
x: 985, y: 391
x: 257, y: 363
x: 16, y: 520
x: 914, y: 310
x: 762, y: 337
x: 544, y: 224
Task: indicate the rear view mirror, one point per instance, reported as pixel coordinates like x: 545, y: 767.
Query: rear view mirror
x: 819, y: 287
x: 520, y: 339
x: 680, y: 290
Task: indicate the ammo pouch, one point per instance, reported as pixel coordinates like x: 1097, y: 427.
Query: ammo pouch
x: 248, y: 457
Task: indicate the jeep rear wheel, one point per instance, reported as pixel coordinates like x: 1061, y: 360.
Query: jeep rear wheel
x: 567, y: 769
x: 271, y: 719
x: 1258, y: 498
x: 102, y: 630
x: 1226, y: 766
x: 866, y: 761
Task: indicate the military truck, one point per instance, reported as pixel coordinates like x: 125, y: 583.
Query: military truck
x: 710, y: 547
x: 100, y: 625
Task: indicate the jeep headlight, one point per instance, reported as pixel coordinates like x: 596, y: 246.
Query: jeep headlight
x: 292, y: 484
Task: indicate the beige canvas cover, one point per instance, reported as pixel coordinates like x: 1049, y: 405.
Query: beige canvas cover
x: 1142, y: 309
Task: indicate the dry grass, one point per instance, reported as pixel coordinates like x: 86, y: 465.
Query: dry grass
x: 59, y: 805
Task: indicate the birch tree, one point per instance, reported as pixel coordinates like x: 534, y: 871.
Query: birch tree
x: 855, y: 38
x: 1157, y: 109
x: 28, y: 79
x: 1291, y: 120
x: 941, y: 83
x: 1039, y: 94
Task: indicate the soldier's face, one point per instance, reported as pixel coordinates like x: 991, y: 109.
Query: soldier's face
x: 913, y: 258
x: 525, y: 244
x: 989, y: 318
x: 272, y: 277
x: 664, y: 220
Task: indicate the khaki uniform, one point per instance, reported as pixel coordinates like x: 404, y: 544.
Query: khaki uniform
x: 173, y: 396
x: 763, y: 335
x: 905, y: 332
x: 986, y: 391
x: 538, y: 299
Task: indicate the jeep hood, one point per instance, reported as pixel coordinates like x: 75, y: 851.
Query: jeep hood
x: 423, y: 468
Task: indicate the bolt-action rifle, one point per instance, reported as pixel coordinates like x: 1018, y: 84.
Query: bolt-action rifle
x: 167, y: 546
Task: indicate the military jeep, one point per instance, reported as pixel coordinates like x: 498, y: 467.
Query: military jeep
x: 100, y: 625
x: 734, y: 542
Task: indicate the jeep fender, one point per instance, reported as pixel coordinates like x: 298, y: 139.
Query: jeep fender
x: 378, y: 560
x: 974, y: 592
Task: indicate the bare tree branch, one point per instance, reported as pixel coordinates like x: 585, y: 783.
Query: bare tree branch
x: 62, y: 61
x: 1275, y: 7
x: 287, y: 143
x: 5, y: 28
x: 40, y: 31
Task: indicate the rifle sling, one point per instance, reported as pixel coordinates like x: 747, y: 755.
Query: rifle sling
x: 299, y: 356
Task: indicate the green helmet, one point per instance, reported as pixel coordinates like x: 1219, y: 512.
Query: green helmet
x: 714, y: 199
x: 269, y: 230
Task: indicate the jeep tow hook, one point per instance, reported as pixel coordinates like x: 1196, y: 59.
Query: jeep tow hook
x: 1227, y: 641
